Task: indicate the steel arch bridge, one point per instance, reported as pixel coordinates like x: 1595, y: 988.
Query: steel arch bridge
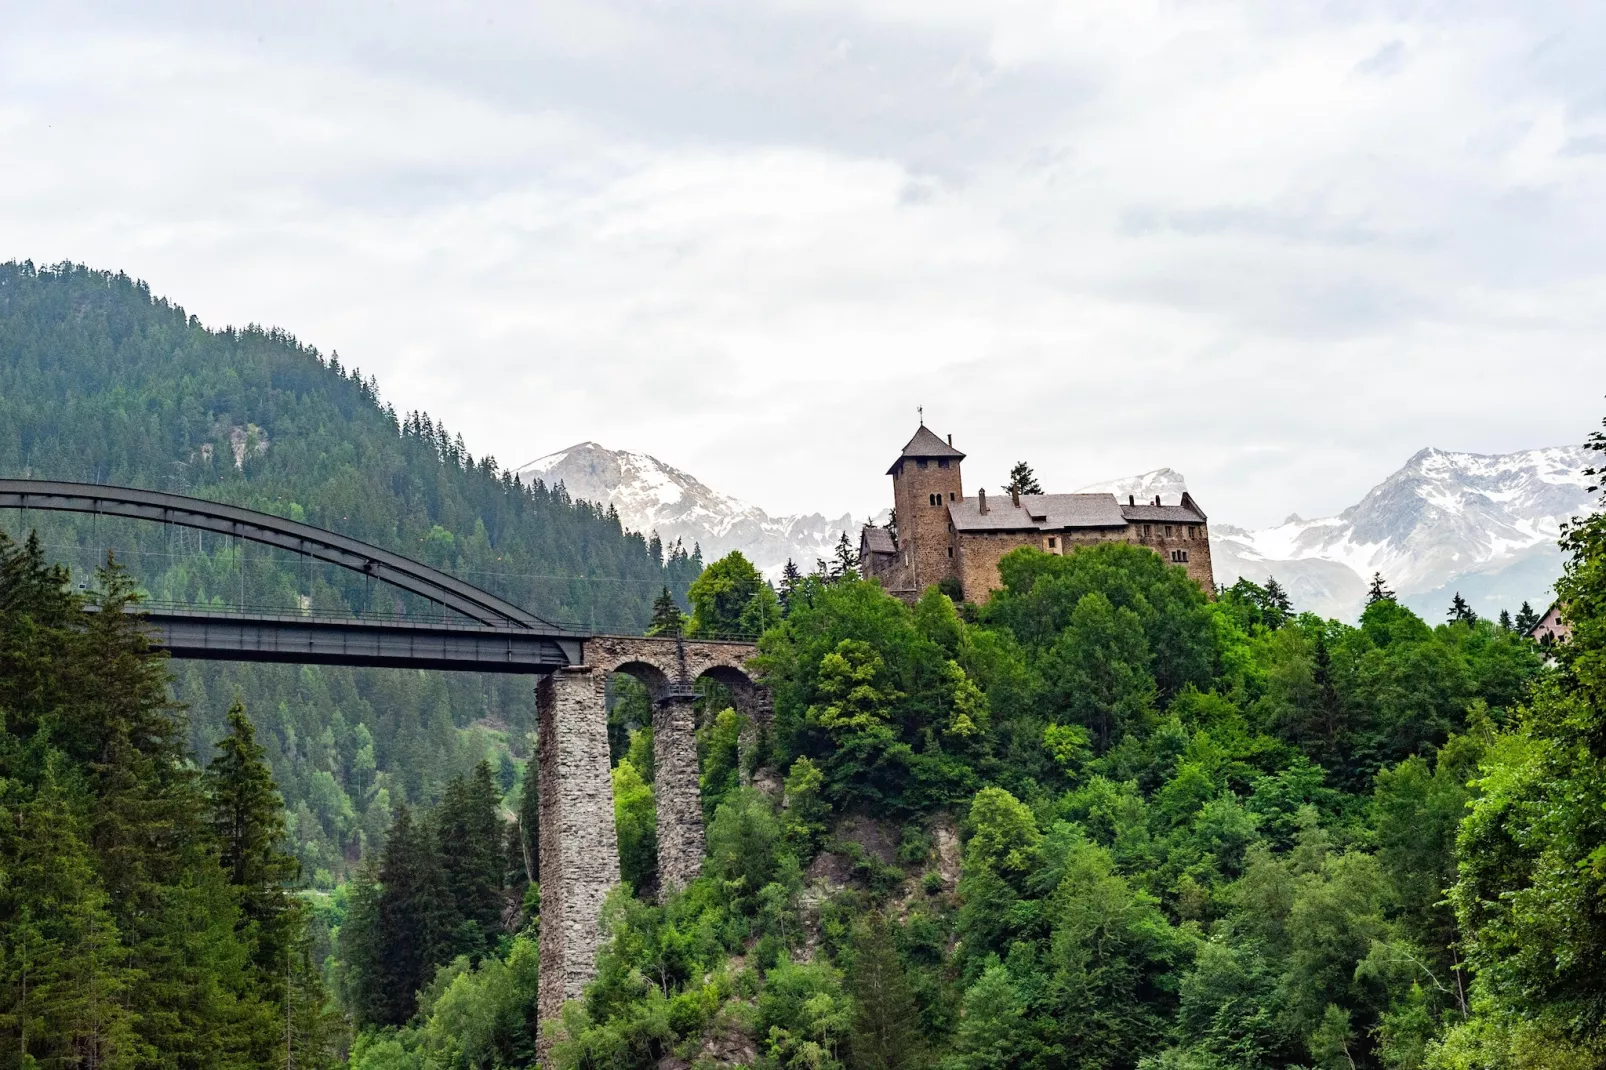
x: 500, y: 636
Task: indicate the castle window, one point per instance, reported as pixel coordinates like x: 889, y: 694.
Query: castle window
x: 950, y: 495
x: 942, y: 462
x: 1193, y: 531
x: 1168, y: 531
x: 1052, y: 542
x: 950, y: 551
x: 921, y: 463
x: 1179, y: 557
x: 1145, y: 531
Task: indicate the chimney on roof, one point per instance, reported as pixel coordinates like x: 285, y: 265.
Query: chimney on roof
x: 950, y: 440
x: 1014, y: 494
x: 1131, y: 499
x: 1156, y: 499
x: 981, y: 501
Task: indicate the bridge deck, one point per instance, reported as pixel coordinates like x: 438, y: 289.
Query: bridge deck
x: 367, y: 643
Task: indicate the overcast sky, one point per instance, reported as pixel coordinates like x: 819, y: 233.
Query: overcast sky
x: 1278, y: 247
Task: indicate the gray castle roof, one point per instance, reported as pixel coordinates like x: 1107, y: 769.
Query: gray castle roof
x: 1186, y: 513
x: 925, y: 444
x: 1059, y: 512
x: 877, y: 540
x: 1045, y: 511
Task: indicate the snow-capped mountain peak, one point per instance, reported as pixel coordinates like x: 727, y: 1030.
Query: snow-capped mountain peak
x: 1483, y: 524
x: 650, y: 495
x: 1165, y: 482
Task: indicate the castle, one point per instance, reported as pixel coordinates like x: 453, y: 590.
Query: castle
x: 940, y: 534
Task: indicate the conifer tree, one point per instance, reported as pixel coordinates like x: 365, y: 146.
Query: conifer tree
x: 248, y: 819
x: 1526, y: 619
x: 1277, y: 604
x: 1461, y: 611
x: 667, y: 619
x: 1378, y: 591
x: 886, y: 1020
x: 790, y: 578
x: 150, y: 830
x: 64, y: 974
x: 1505, y: 620
x: 844, y: 559
x: 412, y: 919
x: 1023, y: 480
x: 470, y: 841
x: 362, y: 949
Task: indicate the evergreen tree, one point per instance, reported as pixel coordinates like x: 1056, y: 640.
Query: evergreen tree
x: 1526, y: 619
x: 1378, y: 591
x: 470, y: 841
x: 845, y: 560
x: 64, y: 973
x: 362, y: 949
x: 1461, y: 611
x: 414, y: 920
x: 1505, y: 620
x: 248, y: 818
x: 667, y: 619
x: 1277, y: 604
x: 886, y: 1019
x: 1022, y: 479
x: 790, y: 579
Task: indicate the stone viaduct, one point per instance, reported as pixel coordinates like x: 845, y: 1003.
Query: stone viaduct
x: 579, y: 860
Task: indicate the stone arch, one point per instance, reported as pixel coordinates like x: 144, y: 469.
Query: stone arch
x: 653, y: 677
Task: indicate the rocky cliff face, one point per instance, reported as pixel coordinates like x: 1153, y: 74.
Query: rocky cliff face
x: 653, y: 496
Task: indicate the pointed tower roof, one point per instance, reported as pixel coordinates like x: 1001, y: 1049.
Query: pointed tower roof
x: 926, y: 445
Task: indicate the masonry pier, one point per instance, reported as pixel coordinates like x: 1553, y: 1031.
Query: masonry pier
x: 579, y: 863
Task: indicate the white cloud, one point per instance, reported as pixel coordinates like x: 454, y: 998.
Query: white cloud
x: 1273, y: 248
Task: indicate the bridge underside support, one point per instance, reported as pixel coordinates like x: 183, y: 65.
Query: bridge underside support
x: 372, y: 643
x: 680, y: 806
x: 579, y: 845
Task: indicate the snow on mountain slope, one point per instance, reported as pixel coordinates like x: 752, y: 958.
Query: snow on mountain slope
x: 653, y: 496
x: 1165, y: 482
x: 1484, y: 525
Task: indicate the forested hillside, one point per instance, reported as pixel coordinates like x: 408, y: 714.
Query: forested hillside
x: 1103, y: 822
x: 101, y: 382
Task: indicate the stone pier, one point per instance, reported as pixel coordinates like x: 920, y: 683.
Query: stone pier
x: 579, y: 845
x: 680, y: 806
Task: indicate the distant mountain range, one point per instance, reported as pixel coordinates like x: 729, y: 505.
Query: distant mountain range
x: 653, y: 496
x: 1485, y: 526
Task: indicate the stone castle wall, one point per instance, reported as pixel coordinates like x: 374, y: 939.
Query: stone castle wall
x: 978, y: 553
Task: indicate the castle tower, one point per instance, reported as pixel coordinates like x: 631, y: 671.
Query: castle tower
x: 925, y: 478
